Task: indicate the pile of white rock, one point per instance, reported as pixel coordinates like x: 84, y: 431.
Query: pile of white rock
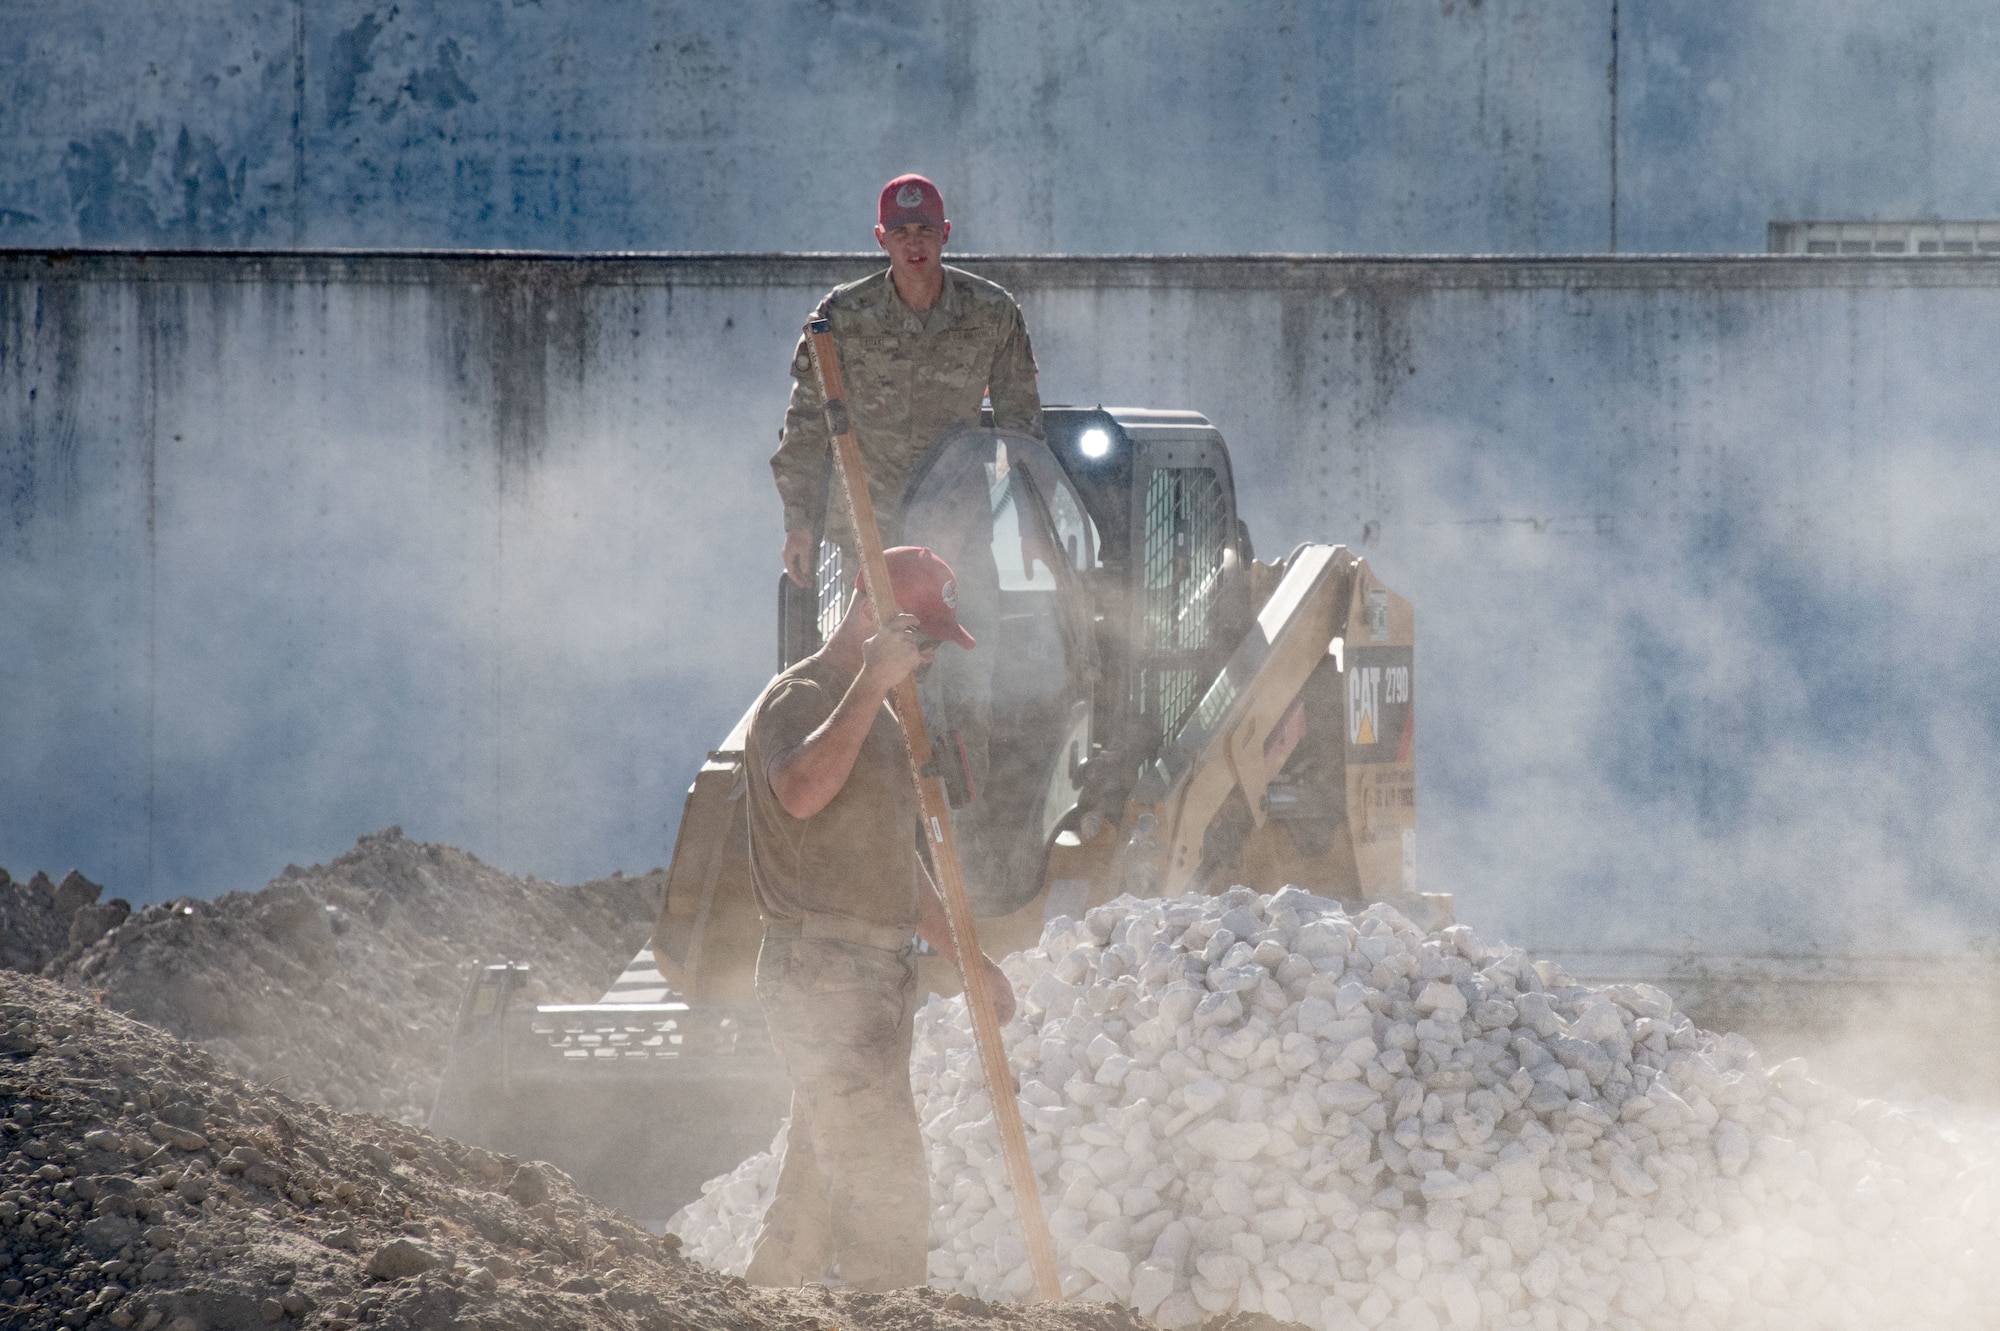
x: 1245, y: 1103
x: 719, y: 1228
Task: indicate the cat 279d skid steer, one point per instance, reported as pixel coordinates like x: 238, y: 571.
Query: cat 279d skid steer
x: 1149, y: 710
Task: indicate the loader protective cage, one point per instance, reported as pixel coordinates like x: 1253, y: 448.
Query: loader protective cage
x: 1184, y: 533
x: 1170, y: 597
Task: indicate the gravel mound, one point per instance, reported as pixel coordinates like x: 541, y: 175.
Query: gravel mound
x: 1263, y: 1105
x: 720, y: 1227
x: 145, y: 1187
x: 340, y: 983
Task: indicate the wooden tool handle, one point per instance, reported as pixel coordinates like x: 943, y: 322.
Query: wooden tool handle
x: 937, y: 825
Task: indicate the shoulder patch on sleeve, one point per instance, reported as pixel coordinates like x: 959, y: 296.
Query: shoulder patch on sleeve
x: 849, y: 295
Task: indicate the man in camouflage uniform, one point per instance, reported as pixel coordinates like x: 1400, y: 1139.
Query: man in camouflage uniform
x: 920, y: 344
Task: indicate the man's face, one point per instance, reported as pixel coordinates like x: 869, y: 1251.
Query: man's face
x: 914, y: 247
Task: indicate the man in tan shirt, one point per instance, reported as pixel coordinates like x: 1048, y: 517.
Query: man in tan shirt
x: 841, y: 887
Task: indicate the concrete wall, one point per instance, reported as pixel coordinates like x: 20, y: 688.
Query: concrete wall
x: 295, y: 547
x: 1149, y: 126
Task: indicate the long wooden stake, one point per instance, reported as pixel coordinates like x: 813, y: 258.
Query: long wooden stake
x: 937, y: 825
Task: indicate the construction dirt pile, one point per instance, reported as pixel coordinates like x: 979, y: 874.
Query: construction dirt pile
x: 44, y: 924
x: 144, y: 1186
x: 1263, y: 1104
x: 339, y: 983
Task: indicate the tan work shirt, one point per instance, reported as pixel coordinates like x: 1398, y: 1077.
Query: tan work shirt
x: 912, y: 377
x: 855, y: 858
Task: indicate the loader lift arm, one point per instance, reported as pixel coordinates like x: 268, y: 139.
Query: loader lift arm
x: 1310, y: 720
x: 1222, y: 747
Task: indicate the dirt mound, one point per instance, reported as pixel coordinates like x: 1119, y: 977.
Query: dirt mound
x: 44, y: 924
x: 142, y: 1185
x: 340, y: 983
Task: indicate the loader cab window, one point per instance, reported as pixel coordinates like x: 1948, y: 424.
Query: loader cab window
x: 1028, y: 546
x: 1075, y: 531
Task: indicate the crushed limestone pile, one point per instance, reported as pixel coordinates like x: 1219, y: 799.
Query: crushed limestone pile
x: 145, y: 1187
x: 1251, y: 1104
x: 340, y: 983
x: 722, y: 1224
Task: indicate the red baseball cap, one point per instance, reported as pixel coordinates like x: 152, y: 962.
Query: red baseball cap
x: 908, y: 199
x: 923, y: 586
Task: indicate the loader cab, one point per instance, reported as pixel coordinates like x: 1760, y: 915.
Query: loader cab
x: 1102, y: 572
x: 1010, y: 719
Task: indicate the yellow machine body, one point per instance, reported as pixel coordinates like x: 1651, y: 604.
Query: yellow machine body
x: 1295, y: 766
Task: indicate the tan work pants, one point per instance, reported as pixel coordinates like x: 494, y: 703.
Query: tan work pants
x: 853, y: 1197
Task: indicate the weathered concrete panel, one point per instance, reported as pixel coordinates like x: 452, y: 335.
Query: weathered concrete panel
x: 297, y: 547
x: 1732, y: 116
x: 150, y: 125
x: 1208, y: 126
x: 1195, y: 124
x: 332, y: 545
x: 681, y: 125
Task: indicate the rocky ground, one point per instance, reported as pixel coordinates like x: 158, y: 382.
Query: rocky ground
x: 1606, y: 1163
x: 338, y: 983
x: 145, y: 1185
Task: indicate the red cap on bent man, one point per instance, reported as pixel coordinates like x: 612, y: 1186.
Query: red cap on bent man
x: 908, y: 199
x: 923, y: 586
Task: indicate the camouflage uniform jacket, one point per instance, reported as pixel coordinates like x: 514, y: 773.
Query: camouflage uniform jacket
x: 912, y: 376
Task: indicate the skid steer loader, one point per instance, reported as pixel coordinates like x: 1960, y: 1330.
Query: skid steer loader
x: 1150, y: 710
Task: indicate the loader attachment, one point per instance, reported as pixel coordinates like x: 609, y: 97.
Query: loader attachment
x: 639, y: 1101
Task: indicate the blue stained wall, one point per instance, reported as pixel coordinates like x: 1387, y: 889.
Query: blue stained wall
x: 295, y: 547
x: 1365, y: 126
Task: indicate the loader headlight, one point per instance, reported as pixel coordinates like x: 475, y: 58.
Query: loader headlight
x: 1094, y: 442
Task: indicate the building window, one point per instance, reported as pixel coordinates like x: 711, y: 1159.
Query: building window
x: 1938, y: 238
